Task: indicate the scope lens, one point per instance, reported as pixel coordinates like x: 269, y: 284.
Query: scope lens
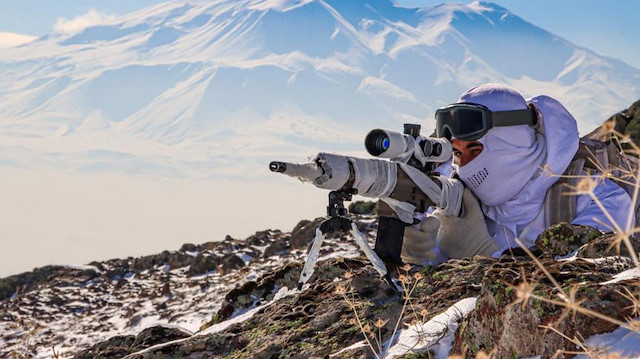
x: 385, y: 143
x: 377, y: 142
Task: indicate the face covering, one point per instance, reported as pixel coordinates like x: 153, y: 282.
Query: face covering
x: 511, y: 157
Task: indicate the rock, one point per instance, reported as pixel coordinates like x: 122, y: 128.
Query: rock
x: 263, y: 289
x: 156, y: 335
x: 113, y: 348
x: 303, y: 233
x: 188, y: 247
x: 231, y: 263
x: 44, y: 276
x: 363, y: 207
x: 564, y: 238
x: 208, y: 246
x: 605, y: 246
x: 174, y: 259
x: 277, y: 247
x: 508, y: 328
x: 203, y: 264
x: 120, y: 346
x: 259, y: 238
x: 166, y: 290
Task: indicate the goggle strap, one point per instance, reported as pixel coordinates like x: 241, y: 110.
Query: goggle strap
x: 514, y: 118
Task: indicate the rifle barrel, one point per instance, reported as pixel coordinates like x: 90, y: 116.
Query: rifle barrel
x: 308, y: 171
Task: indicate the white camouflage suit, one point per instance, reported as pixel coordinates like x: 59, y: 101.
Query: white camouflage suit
x: 515, y: 164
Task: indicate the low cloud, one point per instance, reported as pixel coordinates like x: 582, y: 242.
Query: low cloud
x: 9, y: 39
x: 81, y: 22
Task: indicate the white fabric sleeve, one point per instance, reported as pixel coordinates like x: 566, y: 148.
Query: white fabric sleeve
x: 374, y: 178
x: 448, y: 197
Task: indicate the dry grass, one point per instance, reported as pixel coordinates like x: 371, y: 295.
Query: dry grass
x: 372, y: 330
x: 628, y: 173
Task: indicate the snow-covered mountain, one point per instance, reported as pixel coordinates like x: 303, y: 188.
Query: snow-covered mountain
x: 188, y: 88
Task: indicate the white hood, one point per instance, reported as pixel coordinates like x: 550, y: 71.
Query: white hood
x: 559, y: 131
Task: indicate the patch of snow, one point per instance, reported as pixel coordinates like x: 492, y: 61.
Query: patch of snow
x: 246, y: 258
x: 628, y: 274
x: 621, y: 340
x: 282, y: 293
x: 350, y: 347
x: 437, y: 333
x: 82, y: 267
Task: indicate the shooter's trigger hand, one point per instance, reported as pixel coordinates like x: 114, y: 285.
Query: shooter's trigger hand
x: 467, y: 235
x: 418, y: 243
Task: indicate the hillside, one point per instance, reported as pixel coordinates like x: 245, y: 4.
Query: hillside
x: 237, y: 299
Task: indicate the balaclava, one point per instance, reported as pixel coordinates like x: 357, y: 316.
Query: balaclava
x: 511, y: 155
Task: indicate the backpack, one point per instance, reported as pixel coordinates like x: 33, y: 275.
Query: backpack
x: 599, y: 150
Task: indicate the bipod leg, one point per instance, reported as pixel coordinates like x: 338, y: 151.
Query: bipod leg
x: 372, y: 256
x: 312, y: 258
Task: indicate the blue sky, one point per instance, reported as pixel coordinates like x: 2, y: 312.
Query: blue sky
x: 610, y: 28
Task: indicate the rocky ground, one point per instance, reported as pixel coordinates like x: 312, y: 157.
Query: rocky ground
x: 68, y: 308
x: 237, y: 299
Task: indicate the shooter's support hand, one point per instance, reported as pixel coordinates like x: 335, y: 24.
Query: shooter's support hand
x: 418, y: 243
x: 467, y: 235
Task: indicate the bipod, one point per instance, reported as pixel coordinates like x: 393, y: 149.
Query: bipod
x: 338, y: 222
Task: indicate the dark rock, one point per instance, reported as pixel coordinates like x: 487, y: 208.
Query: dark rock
x: 231, y: 263
x: 208, y: 246
x: 303, y: 233
x: 564, y: 238
x: 363, y: 207
x: 174, y: 259
x: 203, y: 264
x: 120, y: 346
x: 209, y: 346
x: 116, y: 273
x: 166, y: 290
x: 225, y: 247
x: 632, y: 117
x: 263, y: 289
x: 188, y: 247
x: 607, y: 245
x: 277, y: 247
x: 259, y: 238
x: 156, y: 335
x: 44, y: 276
x: 113, y: 348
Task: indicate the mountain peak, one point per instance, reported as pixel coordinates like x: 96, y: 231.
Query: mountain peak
x: 188, y: 72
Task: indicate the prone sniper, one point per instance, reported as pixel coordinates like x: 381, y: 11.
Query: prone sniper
x: 404, y: 184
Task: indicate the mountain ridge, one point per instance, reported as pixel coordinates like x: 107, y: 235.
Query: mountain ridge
x: 192, y: 77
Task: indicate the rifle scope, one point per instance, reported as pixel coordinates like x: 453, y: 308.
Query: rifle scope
x: 391, y: 144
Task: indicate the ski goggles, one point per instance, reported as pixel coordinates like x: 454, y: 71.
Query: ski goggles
x: 468, y: 121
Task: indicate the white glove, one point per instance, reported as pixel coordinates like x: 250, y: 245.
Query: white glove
x: 418, y: 243
x: 465, y: 236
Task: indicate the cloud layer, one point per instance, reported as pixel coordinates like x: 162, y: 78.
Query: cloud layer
x: 81, y: 22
